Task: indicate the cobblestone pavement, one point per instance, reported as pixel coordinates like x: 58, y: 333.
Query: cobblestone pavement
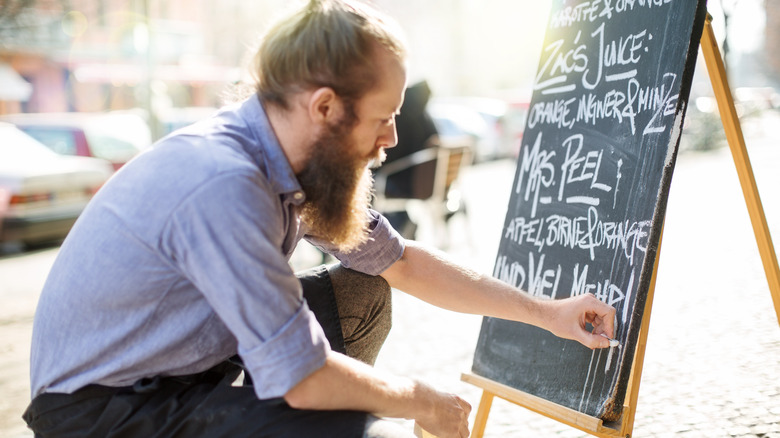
x: 712, y: 367
x: 21, y: 279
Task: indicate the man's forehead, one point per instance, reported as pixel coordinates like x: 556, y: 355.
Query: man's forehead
x: 395, y: 78
x: 388, y: 95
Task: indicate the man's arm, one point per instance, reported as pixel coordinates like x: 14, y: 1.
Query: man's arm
x: 345, y: 383
x: 429, y: 276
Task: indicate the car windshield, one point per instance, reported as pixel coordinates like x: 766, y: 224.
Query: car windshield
x: 59, y: 140
x: 16, y: 145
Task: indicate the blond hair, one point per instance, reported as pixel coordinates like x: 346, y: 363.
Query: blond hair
x: 328, y: 43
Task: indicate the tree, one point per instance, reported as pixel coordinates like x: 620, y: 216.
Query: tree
x: 31, y: 23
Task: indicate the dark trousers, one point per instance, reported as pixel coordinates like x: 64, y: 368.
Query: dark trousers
x: 354, y: 311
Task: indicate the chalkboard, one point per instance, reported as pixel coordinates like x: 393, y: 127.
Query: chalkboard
x: 589, y: 193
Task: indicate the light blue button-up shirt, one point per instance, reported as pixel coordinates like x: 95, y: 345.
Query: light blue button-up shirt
x: 181, y: 261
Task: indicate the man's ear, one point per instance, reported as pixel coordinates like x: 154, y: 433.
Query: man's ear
x: 325, y: 106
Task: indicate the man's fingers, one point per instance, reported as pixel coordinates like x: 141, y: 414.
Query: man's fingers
x: 465, y: 405
x: 465, y: 410
x: 593, y: 341
x: 600, y: 341
x: 601, y: 315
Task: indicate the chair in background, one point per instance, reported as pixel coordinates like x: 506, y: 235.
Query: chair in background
x: 434, y: 173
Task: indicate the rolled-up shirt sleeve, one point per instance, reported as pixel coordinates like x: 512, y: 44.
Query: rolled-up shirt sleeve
x: 383, y: 248
x: 301, y: 338
x: 226, y: 238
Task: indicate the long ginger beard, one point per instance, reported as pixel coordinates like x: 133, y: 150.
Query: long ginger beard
x: 338, y: 186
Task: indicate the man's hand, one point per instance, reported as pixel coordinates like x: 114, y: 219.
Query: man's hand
x: 570, y: 317
x: 345, y: 383
x: 443, y: 415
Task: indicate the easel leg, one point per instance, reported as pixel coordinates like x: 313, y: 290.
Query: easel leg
x: 632, y: 396
x: 728, y: 115
x: 480, y: 421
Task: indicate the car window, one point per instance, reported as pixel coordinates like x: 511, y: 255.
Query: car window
x: 60, y: 141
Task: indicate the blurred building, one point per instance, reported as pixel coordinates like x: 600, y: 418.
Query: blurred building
x: 84, y: 55
x: 92, y: 55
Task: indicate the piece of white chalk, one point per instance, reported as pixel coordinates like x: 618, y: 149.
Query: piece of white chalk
x: 612, y: 342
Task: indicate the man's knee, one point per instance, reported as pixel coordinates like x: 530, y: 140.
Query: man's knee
x: 365, y: 309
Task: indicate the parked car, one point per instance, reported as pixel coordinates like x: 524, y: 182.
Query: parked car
x: 494, y: 127
x: 461, y: 125
x: 513, y: 122
x: 41, y: 192
x: 113, y: 136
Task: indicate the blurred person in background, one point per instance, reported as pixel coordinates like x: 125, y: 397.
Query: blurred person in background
x: 175, y: 280
x: 415, y: 131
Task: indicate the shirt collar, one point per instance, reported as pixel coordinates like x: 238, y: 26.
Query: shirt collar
x: 267, y: 152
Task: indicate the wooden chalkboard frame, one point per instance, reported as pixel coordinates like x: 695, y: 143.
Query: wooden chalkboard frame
x: 624, y: 427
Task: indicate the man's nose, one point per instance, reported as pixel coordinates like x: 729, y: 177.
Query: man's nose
x: 389, y: 137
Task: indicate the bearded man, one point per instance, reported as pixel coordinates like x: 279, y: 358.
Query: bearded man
x: 176, y: 278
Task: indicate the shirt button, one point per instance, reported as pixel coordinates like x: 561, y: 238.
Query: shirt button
x: 298, y: 196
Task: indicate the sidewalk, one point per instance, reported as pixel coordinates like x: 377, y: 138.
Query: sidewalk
x: 21, y: 280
